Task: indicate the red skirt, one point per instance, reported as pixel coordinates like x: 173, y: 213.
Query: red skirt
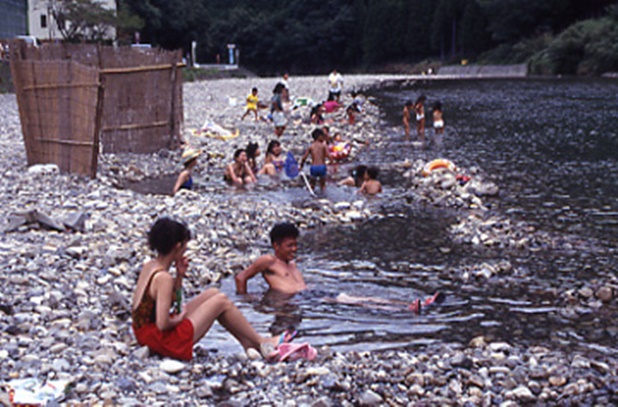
x: 176, y: 343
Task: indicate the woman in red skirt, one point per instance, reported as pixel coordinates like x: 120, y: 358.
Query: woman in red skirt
x: 173, y: 333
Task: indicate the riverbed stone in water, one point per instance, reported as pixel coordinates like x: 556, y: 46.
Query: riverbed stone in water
x: 605, y: 294
x: 585, y: 292
x: 579, y: 362
x: 478, y: 342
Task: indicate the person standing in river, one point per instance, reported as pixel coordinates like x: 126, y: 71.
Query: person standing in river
x: 438, y: 120
x: 405, y: 118
x: 419, y: 108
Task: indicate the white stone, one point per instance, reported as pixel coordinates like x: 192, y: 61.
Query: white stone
x: 171, y: 366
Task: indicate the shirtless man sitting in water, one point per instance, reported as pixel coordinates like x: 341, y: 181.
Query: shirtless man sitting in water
x: 279, y: 270
x: 282, y: 275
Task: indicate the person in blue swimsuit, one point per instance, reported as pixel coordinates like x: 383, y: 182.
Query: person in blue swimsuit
x: 319, y: 153
x: 189, y: 160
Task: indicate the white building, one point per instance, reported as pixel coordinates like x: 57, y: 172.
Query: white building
x: 41, y: 23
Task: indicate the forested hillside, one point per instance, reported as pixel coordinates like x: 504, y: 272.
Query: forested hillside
x: 312, y: 36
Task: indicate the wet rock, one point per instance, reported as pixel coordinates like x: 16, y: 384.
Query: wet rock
x: 585, y: 292
x: 478, y: 342
x: 605, y: 294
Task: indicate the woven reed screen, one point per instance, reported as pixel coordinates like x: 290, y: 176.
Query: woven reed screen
x: 77, y: 100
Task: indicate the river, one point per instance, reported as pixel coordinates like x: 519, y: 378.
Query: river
x: 551, y: 145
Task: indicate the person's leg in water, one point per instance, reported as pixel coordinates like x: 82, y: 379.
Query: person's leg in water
x: 420, y: 129
x: 383, y: 303
x: 212, y: 305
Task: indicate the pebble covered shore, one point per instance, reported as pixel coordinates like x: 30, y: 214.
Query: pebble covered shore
x: 65, y: 296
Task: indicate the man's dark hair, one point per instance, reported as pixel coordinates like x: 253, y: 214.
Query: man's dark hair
x: 283, y: 230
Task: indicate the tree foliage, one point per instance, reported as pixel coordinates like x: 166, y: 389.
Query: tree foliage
x: 315, y: 36
x: 79, y: 20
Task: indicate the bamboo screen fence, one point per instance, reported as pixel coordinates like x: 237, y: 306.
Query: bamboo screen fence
x: 77, y: 100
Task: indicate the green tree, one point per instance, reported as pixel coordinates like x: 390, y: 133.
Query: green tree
x: 474, y: 37
x: 172, y: 25
x: 384, y: 31
x: 79, y: 20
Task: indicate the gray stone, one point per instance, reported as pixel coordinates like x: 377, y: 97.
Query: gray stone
x: 370, y: 398
x: 522, y: 393
x: 75, y: 221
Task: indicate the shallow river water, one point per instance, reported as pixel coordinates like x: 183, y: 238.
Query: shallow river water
x: 552, y: 148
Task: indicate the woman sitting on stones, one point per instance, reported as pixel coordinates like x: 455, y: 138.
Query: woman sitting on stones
x: 173, y: 334
x: 239, y: 173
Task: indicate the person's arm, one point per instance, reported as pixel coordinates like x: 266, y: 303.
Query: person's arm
x: 250, y: 172
x: 327, y: 153
x: 182, y: 178
x: 182, y: 264
x: 363, y: 188
x: 164, y: 286
x: 261, y: 264
x: 349, y: 182
x: 302, y: 160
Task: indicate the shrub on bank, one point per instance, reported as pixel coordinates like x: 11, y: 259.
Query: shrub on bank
x: 587, y: 48
x: 518, y: 53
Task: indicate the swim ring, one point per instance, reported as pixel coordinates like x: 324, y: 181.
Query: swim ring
x: 340, y: 151
x: 440, y: 163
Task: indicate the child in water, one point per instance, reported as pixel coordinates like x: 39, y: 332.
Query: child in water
x: 438, y: 121
x: 357, y: 177
x: 239, y: 173
x: 253, y: 152
x: 319, y: 153
x: 405, y: 118
x: 189, y: 160
x: 371, y: 185
x: 173, y: 334
x: 274, y: 162
x: 419, y: 108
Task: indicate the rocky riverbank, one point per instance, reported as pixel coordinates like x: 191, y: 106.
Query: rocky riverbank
x: 64, y: 309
